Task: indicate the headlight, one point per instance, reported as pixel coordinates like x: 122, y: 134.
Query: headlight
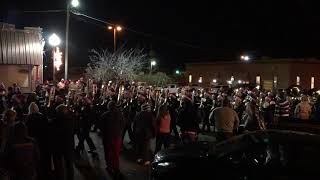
x: 166, y: 165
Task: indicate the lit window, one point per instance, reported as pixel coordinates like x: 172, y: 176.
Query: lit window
x: 298, y: 80
x: 275, y: 81
x: 200, y: 79
x: 258, y: 80
x: 312, y: 82
x: 190, y: 78
x: 214, y: 80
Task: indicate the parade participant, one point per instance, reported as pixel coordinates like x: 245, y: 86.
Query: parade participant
x: 267, y: 109
x: 22, y: 154
x: 303, y: 109
x: 282, y: 108
x: 38, y: 129
x: 226, y: 120
x: 111, y: 125
x: 85, y: 121
x: 253, y: 120
x: 187, y: 120
x: 127, y: 117
x: 163, y: 127
x: 63, y: 143
x: 173, y: 105
x: 207, y: 105
x: 145, y: 130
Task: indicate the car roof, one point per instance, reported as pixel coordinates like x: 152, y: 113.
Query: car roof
x: 268, y: 136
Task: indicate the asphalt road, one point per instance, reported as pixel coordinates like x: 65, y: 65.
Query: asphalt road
x: 90, y: 167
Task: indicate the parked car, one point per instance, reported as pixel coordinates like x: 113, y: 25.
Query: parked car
x: 269, y: 154
x: 172, y: 88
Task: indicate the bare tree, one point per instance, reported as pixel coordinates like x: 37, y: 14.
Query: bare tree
x: 121, y: 65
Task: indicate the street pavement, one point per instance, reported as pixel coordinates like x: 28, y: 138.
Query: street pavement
x: 92, y: 167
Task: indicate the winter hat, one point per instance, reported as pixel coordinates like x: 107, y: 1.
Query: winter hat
x: 146, y: 107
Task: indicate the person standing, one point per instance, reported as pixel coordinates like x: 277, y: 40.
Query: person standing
x: 63, y: 142
x: 163, y: 128
x: 282, y: 109
x: 38, y: 128
x: 303, y: 109
x: 226, y: 120
x: 21, y: 154
x: 85, y: 120
x: 253, y: 121
x: 111, y: 126
x: 144, y: 129
x: 173, y: 105
x: 187, y: 120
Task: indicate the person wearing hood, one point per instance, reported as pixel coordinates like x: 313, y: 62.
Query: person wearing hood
x: 111, y: 126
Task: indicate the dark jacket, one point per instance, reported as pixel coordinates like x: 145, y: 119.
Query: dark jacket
x: 111, y: 124
x: 22, y: 159
x: 38, y: 127
x: 187, y: 118
x: 145, y: 125
x: 62, y: 132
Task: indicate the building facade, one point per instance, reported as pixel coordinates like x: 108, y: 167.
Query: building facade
x: 21, y: 56
x: 267, y: 73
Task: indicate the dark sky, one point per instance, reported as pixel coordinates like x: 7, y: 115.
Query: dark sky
x: 182, y: 31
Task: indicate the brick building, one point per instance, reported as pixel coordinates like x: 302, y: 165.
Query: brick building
x: 268, y: 73
x: 21, y: 56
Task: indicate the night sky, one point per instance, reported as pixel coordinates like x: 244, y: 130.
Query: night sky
x: 180, y: 31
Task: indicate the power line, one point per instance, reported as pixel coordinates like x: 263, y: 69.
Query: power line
x: 46, y: 11
x: 138, y: 32
x: 149, y: 35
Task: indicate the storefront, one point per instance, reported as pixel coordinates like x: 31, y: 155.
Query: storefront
x: 21, y: 56
x: 267, y: 73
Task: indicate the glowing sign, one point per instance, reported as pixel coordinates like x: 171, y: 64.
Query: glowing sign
x: 57, y: 58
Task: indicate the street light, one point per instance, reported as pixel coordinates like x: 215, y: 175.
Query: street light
x: 177, y: 72
x: 54, y: 40
x: 115, y: 29
x: 152, y: 63
x: 72, y: 4
x: 75, y: 3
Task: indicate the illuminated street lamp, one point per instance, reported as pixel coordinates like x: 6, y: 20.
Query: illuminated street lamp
x: 75, y: 3
x: 152, y: 63
x: 115, y: 29
x: 72, y: 4
x: 54, y: 40
x: 177, y: 72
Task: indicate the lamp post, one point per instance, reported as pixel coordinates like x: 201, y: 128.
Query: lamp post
x: 74, y: 3
x: 115, y: 29
x: 152, y: 63
x: 55, y: 41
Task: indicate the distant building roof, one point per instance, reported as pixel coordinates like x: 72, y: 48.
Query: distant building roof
x: 261, y: 61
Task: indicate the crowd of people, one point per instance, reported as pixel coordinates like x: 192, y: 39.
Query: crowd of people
x: 37, y: 130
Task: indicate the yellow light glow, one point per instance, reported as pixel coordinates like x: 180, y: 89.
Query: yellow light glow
x: 110, y: 27
x: 57, y: 58
x: 119, y: 28
x: 190, y: 78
